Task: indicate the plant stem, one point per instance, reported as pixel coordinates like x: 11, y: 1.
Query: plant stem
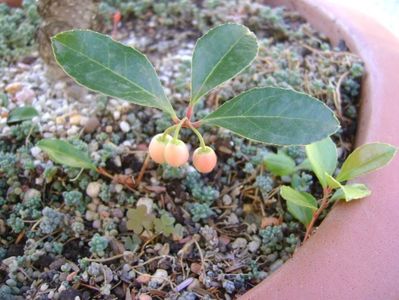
x: 189, y: 112
x: 201, y: 139
x: 178, y: 127
x: 323, y: 205
x: 167, y: 131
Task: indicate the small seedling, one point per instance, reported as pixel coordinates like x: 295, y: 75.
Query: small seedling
x: 267, y: 115
x: 323, y: 159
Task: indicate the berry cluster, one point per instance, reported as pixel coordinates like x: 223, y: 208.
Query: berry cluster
x: 164, y: 148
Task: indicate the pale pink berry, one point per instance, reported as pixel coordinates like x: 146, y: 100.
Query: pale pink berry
x: 176, y: 153
x: 157, y: 147
x: 204, y: 159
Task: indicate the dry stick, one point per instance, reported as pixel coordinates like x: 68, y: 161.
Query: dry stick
x: 142, y: 171
x: 323, y: 205
x: 337, y: 95
x: 203, y: 267
x: 102, y: 260
x: 104, y: 172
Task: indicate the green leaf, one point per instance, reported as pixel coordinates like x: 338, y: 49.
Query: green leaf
x: 164, y: 225
x: 104, y: 65
x: 296, y: 208
x: 275, y: 116
x: 64, y: 153
x: 298, y: 198
x: 279, y: 164
x: 366, y: 159
x: 20, y: 114
x: 139, y: 219
x: 323, y: 159
x: 332, y: 182
x: 219, y: 55
x: 132, y: 243
x: 351, y: 192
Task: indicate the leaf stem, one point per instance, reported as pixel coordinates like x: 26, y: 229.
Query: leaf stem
x: 323, y: 205
x: 189, y: 112
x: 201, y: 139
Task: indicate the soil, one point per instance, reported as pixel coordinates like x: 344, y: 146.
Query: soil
x: 238, y: 233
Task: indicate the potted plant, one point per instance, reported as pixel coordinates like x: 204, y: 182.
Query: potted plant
x: 353, y: 248
x: 88, y: 193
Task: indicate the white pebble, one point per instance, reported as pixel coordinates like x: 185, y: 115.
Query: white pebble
x: 159, y: 276
x: 116, y: 114
x: 125, y: 127
x: 93, y: 189
x: 253, y: 246
x: 239, y: 243
x: 35, y: 151
x: 146, y: 202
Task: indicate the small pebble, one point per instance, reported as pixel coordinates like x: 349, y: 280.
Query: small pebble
x: 91, y: 125
x: 43, y: 287
x: 93, y: 189
x: 116, y: 114
x: 124, y: 126
x: 195, y: 268
x: 30, y: 194
x: 35, y: 151
x: 239, y: 243
x: 146, y: 202
x: 117, y: 213
x: 143, y: 278
x: 159, y: 276
x: 233, y: 219
x: 26, y: 95
x: 96, y: 224
x: 227, y: 200
x: 13, y: 88
x: 75, y: 119
x: 60, y: 120
x: 253, y: 246
x: 108, y: 129
x: 91, y: 216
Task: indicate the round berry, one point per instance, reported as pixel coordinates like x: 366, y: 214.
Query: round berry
x: 204, y: 159
x: 157, y: 147
x: 176, y: 153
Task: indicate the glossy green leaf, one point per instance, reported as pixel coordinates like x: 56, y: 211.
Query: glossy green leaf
x: 275, y: 116
x: 323, y: 158
x: 298, y: 198
x: 351, y: 192
x: 332, y: 182
x: 279, y: 164
x: 66, y: 154
x: 20, y: 114
x: 220, y: 54
x: 302, y: 213
x: 366, y: 159
x: 104, y: 65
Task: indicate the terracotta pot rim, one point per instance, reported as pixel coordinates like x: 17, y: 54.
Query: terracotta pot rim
x: 354, y: 253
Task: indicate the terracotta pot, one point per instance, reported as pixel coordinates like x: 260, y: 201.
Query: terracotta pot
x: 12, y: 3
x: 355, y: 252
